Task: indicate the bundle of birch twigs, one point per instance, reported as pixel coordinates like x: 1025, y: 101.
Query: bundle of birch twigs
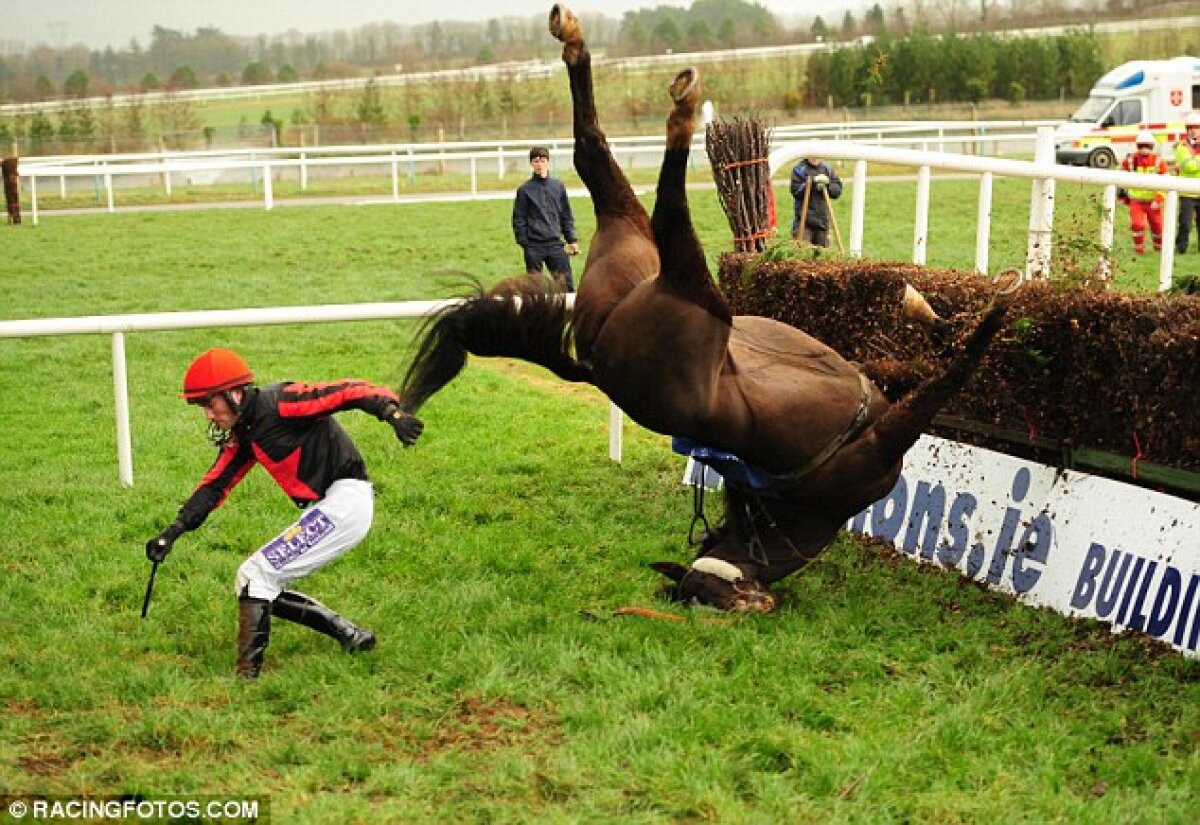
x: 737, y: 150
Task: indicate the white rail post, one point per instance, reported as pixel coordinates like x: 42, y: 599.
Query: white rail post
x: 474, y: 181
x: 983, y: 223
x: 108, y: 188
x: 268, y: 188
x: 121, y: 397
x: 921, y: 219
x: 304, y: 171
x: 1041, y: 209
x: 33, y: 198
x: 1170, y: 220
x: 1108, y: 209
x: 499, y: 163
x: 616, y: 419
x: 62, y: 187
x: 858, y: 208
x: 166, y: 175
x: 395, y: 178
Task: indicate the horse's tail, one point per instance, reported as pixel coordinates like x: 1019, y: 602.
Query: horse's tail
x: 530, y: 323
x: 901, y: 426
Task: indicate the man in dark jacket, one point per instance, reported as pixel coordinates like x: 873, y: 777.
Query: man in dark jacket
x: 289, y: 429
x: 542, y: 219
x: 812, y: 181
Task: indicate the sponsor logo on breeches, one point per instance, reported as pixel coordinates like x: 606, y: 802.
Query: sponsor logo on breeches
x: 305, y: 534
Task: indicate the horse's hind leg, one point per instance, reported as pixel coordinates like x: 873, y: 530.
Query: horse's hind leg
x: 684, y: 268
x: 612, y: 196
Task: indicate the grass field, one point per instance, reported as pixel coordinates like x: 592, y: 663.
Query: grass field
x: 880, y: 692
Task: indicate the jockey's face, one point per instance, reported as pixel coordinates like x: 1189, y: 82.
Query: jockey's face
x: 1145, y: 148
x: 217, y: 409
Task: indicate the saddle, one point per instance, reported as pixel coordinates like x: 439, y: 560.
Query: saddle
x: 734, y: 470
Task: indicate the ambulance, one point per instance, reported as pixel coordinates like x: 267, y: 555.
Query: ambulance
x: 1141, y: 94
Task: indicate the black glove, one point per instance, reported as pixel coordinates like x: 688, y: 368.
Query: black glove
x: 408, y: 427
x: 159, y: 546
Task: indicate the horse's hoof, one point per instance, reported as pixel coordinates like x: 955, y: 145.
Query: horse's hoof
x: 564, y: 25
x: 1006, y: 285
x: 685, y: 89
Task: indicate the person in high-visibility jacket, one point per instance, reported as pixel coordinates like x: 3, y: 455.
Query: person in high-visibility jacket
x: 1187, y: 165
x: 1145, y: 205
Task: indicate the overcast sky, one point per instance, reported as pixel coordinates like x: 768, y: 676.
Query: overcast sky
x: 99, y: 23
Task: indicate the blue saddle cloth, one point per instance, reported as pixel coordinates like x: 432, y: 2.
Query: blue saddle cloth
x: 732, y: 469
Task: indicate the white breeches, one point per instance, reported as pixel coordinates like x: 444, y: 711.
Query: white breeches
x: 325, y: 531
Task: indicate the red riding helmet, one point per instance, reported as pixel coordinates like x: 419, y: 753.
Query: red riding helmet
x: 216, y: 370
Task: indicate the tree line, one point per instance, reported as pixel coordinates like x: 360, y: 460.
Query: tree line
x: 923, y: 68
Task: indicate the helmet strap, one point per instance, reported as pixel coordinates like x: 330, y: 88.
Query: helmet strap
x: 216, y: 435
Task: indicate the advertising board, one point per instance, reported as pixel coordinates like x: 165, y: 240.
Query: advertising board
x: 1076, y: 543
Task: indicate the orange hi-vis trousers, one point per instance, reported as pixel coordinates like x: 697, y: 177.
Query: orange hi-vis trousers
x: 1142, y: 213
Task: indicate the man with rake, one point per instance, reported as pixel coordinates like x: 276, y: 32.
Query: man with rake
x: 814, y: 186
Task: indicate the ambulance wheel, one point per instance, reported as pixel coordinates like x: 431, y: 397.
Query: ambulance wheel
x: 1102, y: 159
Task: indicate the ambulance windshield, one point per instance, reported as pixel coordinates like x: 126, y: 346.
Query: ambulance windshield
x: 1091, y: 110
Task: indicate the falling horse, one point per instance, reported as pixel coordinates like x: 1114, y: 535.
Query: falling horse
x: 814, y: 439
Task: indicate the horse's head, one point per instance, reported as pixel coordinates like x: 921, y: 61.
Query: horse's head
x: 716, y: 583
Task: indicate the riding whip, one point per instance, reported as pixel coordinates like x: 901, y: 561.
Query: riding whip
x: 149, y: 590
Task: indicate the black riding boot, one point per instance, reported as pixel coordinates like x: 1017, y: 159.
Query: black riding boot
x: 298, y: 608
x: 254, y: 632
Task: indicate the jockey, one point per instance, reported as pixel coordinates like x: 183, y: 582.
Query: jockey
x: 289, y: 429
x: 1145, y: 205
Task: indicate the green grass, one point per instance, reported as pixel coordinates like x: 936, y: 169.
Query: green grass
x: 888, y: 233
x: 880, y: 692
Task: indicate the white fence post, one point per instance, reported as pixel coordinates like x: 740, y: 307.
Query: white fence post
x: 616, y: 420
x: 108, y: 189
x: 166, y: 175
x: 1041, y: 209
x: 268, y: 187
x: 1108, y: 208
x: 1170, y: 221
x: 33, y: 198
x: 921, y: 219
x: 303, y: 171
x: 474, y: 180
x: 395, y: 178
x: 121, y: 399
x: 983, y: 223
x: 858, y: 208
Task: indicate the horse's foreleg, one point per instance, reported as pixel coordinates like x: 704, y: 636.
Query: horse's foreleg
x: 612, y: 196
x: 684, y: 268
